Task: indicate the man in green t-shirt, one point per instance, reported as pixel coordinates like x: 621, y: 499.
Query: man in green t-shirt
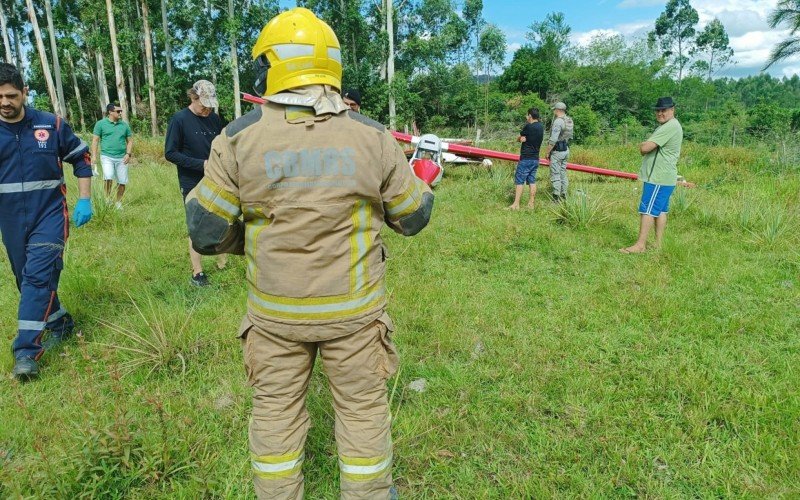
x: 659, y: 173
x: 116, y: 143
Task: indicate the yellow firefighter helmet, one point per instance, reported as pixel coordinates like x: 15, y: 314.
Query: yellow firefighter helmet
x: 298, y: 49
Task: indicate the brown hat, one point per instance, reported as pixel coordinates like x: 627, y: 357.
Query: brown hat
x: 207, y: 93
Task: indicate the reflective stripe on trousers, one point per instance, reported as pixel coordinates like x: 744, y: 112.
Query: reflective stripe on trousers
x: 357, y: 367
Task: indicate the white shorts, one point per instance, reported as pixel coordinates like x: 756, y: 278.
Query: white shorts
x: 114, y: 169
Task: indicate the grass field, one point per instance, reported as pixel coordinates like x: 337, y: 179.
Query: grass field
x: 555, y: 367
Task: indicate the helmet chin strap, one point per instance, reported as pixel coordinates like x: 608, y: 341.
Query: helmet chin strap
x: 262, y: 68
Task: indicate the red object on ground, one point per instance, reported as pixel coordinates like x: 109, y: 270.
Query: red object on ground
x: 488, y: 153
x: 427, y: 170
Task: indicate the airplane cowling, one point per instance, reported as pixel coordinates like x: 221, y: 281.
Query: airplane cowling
x: 427, y: 170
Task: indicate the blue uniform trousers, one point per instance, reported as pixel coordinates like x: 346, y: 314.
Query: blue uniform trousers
x: 35, y: 249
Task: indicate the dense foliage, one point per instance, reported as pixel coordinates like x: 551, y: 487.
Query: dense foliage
x: 449, y: 66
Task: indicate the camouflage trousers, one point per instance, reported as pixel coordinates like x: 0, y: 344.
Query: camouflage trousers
x: 558, y: 172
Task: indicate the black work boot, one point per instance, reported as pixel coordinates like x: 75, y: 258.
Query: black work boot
x: 66, y: 326
x: 25, y: 368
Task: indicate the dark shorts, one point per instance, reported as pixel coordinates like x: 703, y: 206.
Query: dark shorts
x: 526, y: 171
x: 655, y: 199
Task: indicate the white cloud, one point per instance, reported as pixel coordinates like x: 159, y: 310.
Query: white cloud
x: 790, y: 71
x: 745, y: 21
x: 583, y: 39
x: 513, y: 47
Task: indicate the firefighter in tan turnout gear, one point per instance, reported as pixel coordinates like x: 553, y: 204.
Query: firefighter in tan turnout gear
x: 313, y: 184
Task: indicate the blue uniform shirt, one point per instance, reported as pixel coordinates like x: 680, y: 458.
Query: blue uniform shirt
x: 31, y: 174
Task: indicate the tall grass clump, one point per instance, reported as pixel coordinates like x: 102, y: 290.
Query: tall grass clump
x: 580, y: 210
x: 772, y: 225
x: 102, y: 205
x: 748, y: 215
x: 681, y: 200
x: 155, y: 344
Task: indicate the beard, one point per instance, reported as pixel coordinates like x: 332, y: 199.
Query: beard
x: 10, y: 112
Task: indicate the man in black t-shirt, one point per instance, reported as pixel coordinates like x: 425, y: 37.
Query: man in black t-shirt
x: 188, y: 145
x: 531, y: 138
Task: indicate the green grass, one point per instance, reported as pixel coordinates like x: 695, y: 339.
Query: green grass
x: 555, y: 366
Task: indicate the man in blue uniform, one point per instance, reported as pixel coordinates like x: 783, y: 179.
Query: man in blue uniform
x: 33, y: 215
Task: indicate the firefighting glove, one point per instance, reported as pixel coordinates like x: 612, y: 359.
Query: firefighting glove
x: 83, y: 212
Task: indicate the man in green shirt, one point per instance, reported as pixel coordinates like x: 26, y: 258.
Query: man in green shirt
x: 116, y: 143
x: 659, y: 173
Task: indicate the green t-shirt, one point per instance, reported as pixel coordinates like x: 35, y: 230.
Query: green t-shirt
x: 113, y: 136
x: 660, y: 166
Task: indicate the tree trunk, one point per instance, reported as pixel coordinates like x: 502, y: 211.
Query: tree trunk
x: 6, y: 41
x: 151, y: 82
x: 165, y: 27
x: 486, y: 95
x: 77, y: 90
x: 56, y: 63
x: 102, y: 90
x: 237, y: 102
x: 390, y: 63
x: 213, y: 63
x: 132, y: 90
x: 99, y: 94
x: 120, y: 78
x: 51, y: 89
x: 18, y: 47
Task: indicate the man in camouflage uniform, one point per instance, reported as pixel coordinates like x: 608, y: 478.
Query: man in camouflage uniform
x: 558, y: 150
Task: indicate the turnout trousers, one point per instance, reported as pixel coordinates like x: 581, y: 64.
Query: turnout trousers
x: 357, y: 367
x: 558, y: 172
x: 34, y: 242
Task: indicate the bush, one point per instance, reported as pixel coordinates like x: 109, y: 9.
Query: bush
x: 587, y: 123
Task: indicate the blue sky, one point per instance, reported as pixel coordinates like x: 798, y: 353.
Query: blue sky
x: 745, y: 21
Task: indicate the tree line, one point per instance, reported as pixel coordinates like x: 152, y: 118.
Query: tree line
x: 436, y: 64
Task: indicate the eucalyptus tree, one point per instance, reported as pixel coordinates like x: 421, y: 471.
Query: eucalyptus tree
x: 16, y: 27
x: 165, y: 31
x: 48, y: 9
x: 118, y: 72
x: 713, y: 45
x: 151, y: 83
x: 675, y: 33
x: 550, y: 38
x: 492, y: 47
x: 37, y: 34
x: 88, y: 19
x: 4, y: 27
x: 787, y: 12
x: 390, y: 63
x: 76, y: 89
x: 233, y: 28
